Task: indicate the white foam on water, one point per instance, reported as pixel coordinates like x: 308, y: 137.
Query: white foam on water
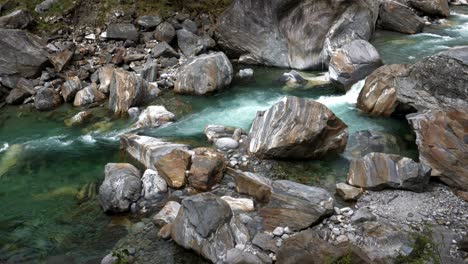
x: 4, y: 147
x: 88, y: 139
x: 459, y: 14
x: 50, y: 142
x: 349, y: 98
x: 436, y: 36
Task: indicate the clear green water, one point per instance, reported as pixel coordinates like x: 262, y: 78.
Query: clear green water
x: 43, y: 163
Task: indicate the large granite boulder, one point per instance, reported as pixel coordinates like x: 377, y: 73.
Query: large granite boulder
x: 438, y: 8
x: 154, y: 116
x: 204, y: 74
x: 379, y: 94
x: 88, y: 95
x: 126, y: 90
x: 22, y: 54
x: 377, y: 171
x: 121, y: 187
x: 297, y: 128
x: 173, y: 166
x: 442, y: 142
x: 70, y: 87
x: 436, y: 82
x: 47, y: 99
x: 207, y: 169
x: 397, y: 16
x: 205, y: 224
x: 147, y: 150
x: 252, y: 184
x: 352, y: 63
x: 295, y: 205
x: 293, y: 34
x: 19, y: 19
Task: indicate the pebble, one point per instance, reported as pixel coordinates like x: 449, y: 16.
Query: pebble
x: 336, y: 231
x: 279, y: 242
x: 278, y: 231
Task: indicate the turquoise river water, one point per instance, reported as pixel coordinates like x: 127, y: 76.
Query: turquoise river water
x: 47, y: 212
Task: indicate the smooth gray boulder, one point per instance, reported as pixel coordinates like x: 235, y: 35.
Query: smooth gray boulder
x: 121, y: 187
x: 122, y: 31
x: 165, y: 32
x: 297, y: 128
x: 204, y: 74
x: 189, y: 43
x: 22, y: 54
x: 352, y: 63
x: 291, y: 33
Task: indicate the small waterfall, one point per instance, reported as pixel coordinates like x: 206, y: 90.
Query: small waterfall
x: 349, y: 98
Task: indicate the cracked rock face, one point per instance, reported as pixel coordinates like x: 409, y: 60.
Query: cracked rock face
x: 294, y: 34
x: 297, y: 128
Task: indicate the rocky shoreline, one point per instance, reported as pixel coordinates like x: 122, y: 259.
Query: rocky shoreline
x: 221, y: 202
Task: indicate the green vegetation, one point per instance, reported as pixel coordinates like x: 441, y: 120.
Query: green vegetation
x: 424, y: 249
x: 122, y: 256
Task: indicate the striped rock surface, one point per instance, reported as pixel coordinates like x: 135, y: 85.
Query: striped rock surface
x: 297, y: 128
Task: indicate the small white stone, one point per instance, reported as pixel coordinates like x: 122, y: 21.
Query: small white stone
x: 279, y: 231
x: 279, y: 242
x: 336, y: 231
x: 337, y: 210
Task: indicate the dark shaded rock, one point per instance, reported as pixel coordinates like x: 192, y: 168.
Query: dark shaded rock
x: 295, y: 205
x: 17, y: 96
x: 47, y: 99
x: 377, y: 171
x: 149, y: 21
x: 26, y: 85
x: 165, y: 32
x: 70, y: 88
x: 13, y: 58
x: 190, y: 26
x: 252, y: 184
x: 121, y: 187
x: 150, y: 70
x: 88, y: 96
x: 295, y: 34
x: 61, y: 59
x: 19, y: 19
x: 364, y: 142
x: 379, y: 94
x: 147, y: 150
x: 189, y: 43
x: 432, y: 7
x: 204, y: 74
x: 126, y: 90
x: 352, y: 63
x: 207, y: 169
x: 122, y: 31
x: 442, y: 143
x: 173, y: 166
x: 397, y: 16
x: 162, y: 49
x: 297, y: 128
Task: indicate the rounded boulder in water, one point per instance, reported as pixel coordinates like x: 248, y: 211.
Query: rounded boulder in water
x: 226, y: 143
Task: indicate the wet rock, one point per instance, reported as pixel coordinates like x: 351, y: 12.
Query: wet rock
x: 105, y: 77
x: 17, y: 96
x: 239, y: 204
x: 297, y: 128
x: 122, y: 31
x: 246, y: 73
x: 153, y: 185
x: 348, y: 192
x: 47, y: 99
x: 266, y: 34
x: 295, y: 205
x: 214, y: 132
x: 293, y: 79
x: 149, y: 21
x: 211, y: 236
x: 379, y: 94
x: 88, y: 96
x: 61, y: 59
x: 308, y: 247
x: 19, y: 19
x: 13, y: 59
x: 167, y: 214
x: 121, y: 187
x: 70, y: 88
x: 397, y: 16
x: 432, y: 7
x: 226, y: 143
x: 352, y: 63
x: 442, y: 145
x: 173, y: 166
x: 154, y: 116
x: 78, y: 119
x: 165, y: 32
x: 204, y: 74
x: 377, y: 171
x: 207, y: 169
x: 126, y: 90
x: 147, y: 150
x: 133, y: 113
x: 162, y: 49
x: 252, y: 184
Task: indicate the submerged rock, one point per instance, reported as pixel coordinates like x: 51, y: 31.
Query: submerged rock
x: 352, y: 63
x: 297, y: 128
x: 207, y: 169
x: 173, y: 166
x: 78, y: 119
x: 397, y: 16
x: 377, y: 171
x: 154, y: 116
x: 293, y: 34
x: 442, y: 143
x: 295, y: 205
x: 121, y: 187
x: 204, y: 74
x: 147, y: 150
